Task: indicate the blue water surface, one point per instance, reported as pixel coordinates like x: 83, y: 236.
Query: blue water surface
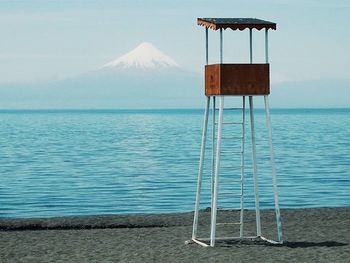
x: 71, y: 162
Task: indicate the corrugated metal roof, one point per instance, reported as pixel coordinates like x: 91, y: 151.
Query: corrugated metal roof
x: 235, y: 23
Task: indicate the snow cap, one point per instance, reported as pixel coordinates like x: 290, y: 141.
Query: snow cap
x: 145, y: 56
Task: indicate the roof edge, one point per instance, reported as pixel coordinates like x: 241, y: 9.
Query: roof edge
x: 236, y: 26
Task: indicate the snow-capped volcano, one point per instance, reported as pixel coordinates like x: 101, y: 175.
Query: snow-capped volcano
x: 145, y: 56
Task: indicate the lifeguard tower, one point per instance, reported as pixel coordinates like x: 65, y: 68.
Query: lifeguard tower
x: 222, y: 81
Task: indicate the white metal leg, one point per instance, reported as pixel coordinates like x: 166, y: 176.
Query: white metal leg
x: 200, y: 169
x: 274, y: 177
x: 213, y: 152
x: 250, y: 46
x: 221, y: 47
x: 217, y: 170
x: 256, y: 184
x: 266, y: 45
x: 242, y: 170
x: 206, y: 46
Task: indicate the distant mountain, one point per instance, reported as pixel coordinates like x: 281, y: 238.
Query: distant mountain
x: 142, y: 78
x: 147, y: 78
x: 145, y: 56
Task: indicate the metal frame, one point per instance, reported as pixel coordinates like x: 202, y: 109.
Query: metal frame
x: 241, y: 219
x: 213, y: 151
x: 215, y: 163
x: 200, y: 169
x: 216, y: 173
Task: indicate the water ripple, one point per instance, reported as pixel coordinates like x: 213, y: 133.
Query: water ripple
x: 60, y: 163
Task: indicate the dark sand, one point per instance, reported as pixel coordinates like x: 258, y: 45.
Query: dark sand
x: 311, y: 235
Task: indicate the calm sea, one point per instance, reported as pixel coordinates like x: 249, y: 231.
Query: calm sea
x: 58, y: 163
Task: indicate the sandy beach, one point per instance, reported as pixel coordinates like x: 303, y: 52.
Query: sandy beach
x: 311, y: 235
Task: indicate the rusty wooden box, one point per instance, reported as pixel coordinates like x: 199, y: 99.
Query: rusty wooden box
x: 237, y: 79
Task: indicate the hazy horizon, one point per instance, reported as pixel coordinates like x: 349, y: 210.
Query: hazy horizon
x: 48, y: 42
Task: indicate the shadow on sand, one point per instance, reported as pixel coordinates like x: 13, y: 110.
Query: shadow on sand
x: 289, y: 244
x: 313, y: 244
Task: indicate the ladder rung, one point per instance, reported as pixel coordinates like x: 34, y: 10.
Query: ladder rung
x: 238, y: 223
x: 235, y: 192
x: 230, y: 167
x: 241, y: 152
x: 230, y: 109
x: 216, y: 123
x: 229, y: 194
x: 230, y: 137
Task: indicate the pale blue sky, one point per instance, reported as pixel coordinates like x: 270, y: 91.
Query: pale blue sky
x: 43, y: 40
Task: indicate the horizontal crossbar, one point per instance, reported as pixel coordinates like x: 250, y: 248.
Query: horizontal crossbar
x: 239, y: 223
x: 216, y: 123
x: 230, y: 109
x: 201, y: 241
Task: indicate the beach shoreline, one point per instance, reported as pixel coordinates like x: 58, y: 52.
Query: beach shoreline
x: 310, y: 234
